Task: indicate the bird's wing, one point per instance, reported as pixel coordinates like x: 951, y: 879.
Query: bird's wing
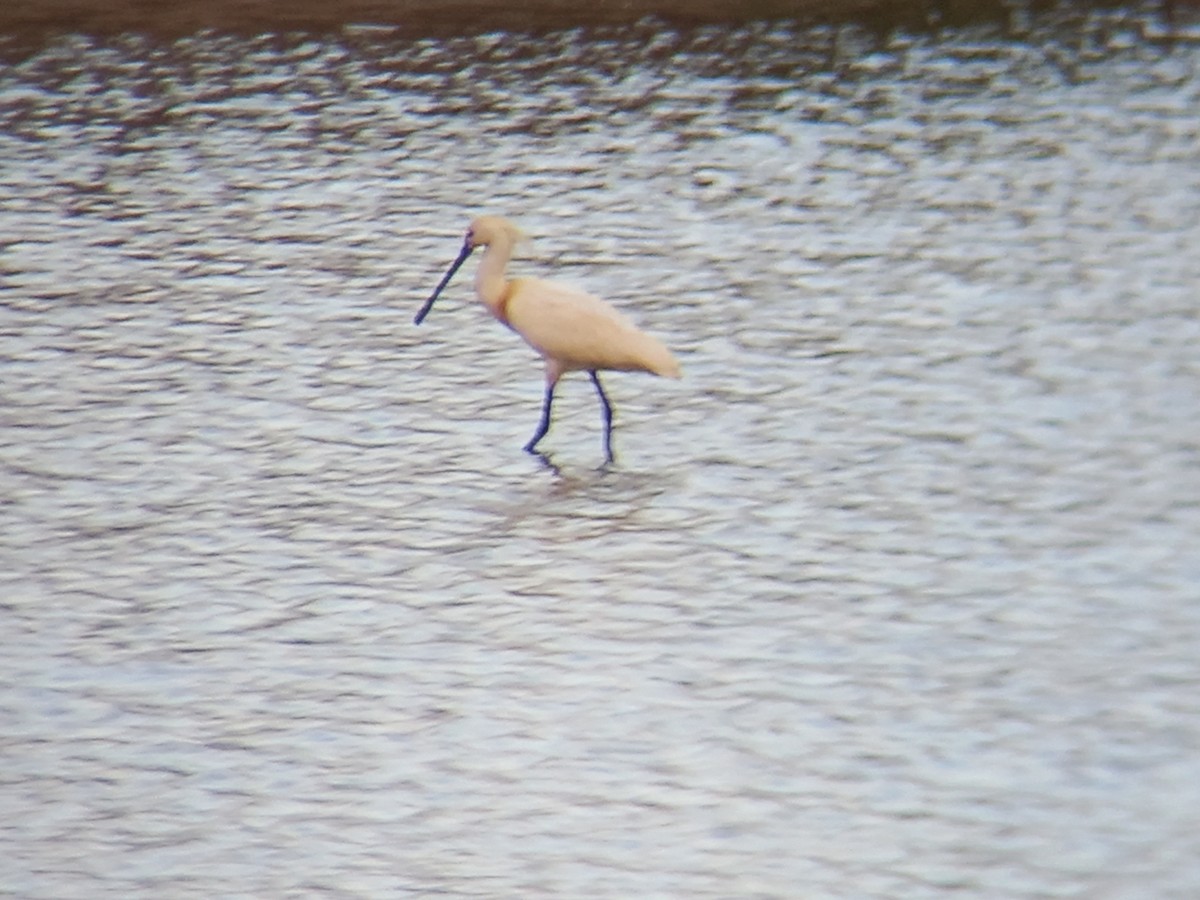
x: 577, y: 329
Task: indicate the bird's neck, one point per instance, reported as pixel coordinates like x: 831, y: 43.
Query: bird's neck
x: 490, y: 283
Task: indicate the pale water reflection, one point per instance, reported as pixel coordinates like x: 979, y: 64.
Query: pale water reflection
x: 894, y: 595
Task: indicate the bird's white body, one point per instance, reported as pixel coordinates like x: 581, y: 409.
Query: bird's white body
x: 576, y: 331
x: 571, y: 329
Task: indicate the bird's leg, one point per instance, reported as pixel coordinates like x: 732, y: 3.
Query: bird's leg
x: 606, y: 407
x: 544, y: 425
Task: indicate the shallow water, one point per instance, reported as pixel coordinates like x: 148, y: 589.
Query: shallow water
x: 893, y: 595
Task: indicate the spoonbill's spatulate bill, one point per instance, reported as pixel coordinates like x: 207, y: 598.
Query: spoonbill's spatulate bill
x: 572, y: 330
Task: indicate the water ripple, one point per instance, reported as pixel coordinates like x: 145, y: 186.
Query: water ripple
x: 891, y: 596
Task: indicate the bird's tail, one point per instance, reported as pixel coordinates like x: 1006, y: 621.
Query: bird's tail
x: 661, y: 361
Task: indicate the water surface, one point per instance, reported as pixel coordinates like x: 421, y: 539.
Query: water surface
x: 893, y: 595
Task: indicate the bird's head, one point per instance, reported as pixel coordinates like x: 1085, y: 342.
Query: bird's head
x: 488, y: 230
x: 484, y: 232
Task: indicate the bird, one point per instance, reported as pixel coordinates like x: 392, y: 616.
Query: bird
x: 571, y: 329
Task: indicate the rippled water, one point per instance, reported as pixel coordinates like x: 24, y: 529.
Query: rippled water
x: 894, y: 595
